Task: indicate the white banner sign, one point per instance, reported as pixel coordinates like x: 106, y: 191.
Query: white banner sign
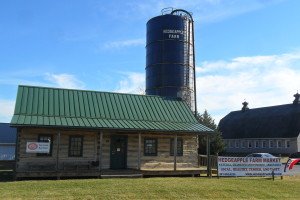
x: 38, y: 147
x: 249, y: 166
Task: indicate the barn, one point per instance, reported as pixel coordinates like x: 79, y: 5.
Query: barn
x: 7, y: 142
x: 274, y: 129
x: 91, y: 133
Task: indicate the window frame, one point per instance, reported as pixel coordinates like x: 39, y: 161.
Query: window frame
x: 244, y: 144
x: 180, y: 148
x: 279, y: 144
x: 264, y: 144
x: 156, y: 144
x: 51, y: 144
x: 237, y: 144
x: 81, y: 146
x: 250, y: 144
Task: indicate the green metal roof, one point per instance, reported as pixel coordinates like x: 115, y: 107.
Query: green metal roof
x: 40, y: 106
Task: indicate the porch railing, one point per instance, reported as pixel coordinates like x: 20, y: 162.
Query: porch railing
x: 202, y: 161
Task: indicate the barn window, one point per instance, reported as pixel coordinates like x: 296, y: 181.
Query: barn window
x: 237, y: 144
x: 244, y: 143
x: 75, y: 146
x: 179, y: 147
x: 279, y: 144
x: 45, y: 138
x: 249, y: 144
x: 264, y: 144
x: 150, y: 147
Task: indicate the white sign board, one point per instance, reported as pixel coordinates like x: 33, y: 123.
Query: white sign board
x: 249, y: 166
x: 38, y: 147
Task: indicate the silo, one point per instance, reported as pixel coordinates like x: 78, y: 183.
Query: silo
x: 170, y: 60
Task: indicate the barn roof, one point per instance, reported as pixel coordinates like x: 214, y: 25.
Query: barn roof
x: 7, y: 133
x: 282, y: 121
x: 41, y: 106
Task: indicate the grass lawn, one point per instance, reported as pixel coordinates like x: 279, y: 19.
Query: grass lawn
x: 153, y: 188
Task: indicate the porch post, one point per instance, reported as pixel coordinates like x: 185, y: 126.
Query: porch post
x: 139, y: 152
x: 175, y: 152
x: 100, y: 150
x: 57, y: 154
x: 208, y: 156
x: 17, y: 149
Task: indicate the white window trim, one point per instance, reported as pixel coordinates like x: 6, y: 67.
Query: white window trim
x: 243, y: 144
x: 250, y: 142
x: 262, y: 144
x: 271, y: 146
x: 237, y: 144
x: 279, y: 141
x: 286, y: 144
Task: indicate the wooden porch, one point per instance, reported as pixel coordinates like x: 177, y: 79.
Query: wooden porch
x: 108, y: 173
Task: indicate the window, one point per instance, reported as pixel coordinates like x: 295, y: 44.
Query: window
x: 279, y: 144
x: 244, y: 144
x: 179, y: 147
x: 226, y: 143
x: 237, y: 144
x: 271, y: 144
x: 256, y: 144
x: 250, y: 144
x: 287, y: 144
x: 150, y: 147
x: 45, y: 138
x: 231, y: 143
x: 75, y: 146
x: 264, y: 144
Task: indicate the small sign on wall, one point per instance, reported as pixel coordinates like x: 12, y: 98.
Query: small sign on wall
x: 38, y: 147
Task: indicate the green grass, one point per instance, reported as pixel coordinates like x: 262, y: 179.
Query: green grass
x: 154, y: 188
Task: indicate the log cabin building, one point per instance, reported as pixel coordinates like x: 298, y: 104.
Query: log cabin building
x: 94, y: 133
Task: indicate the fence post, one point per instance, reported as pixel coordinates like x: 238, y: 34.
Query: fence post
x: 217, y: 155
x: 281, y: 177
x: 208, y: 156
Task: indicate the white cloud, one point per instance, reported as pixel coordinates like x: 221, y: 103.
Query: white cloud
x: 65, y: 81
x: 222, y: 86
x: 124, y: 43
x: 6, y: 110
x: 132, y: 82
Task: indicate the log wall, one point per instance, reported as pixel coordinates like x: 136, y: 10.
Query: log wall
x: 91, y: 142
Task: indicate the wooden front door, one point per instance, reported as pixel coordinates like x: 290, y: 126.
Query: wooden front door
x: 118, y: 152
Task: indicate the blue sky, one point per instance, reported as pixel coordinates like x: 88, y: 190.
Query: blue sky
x: 246, y: 49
